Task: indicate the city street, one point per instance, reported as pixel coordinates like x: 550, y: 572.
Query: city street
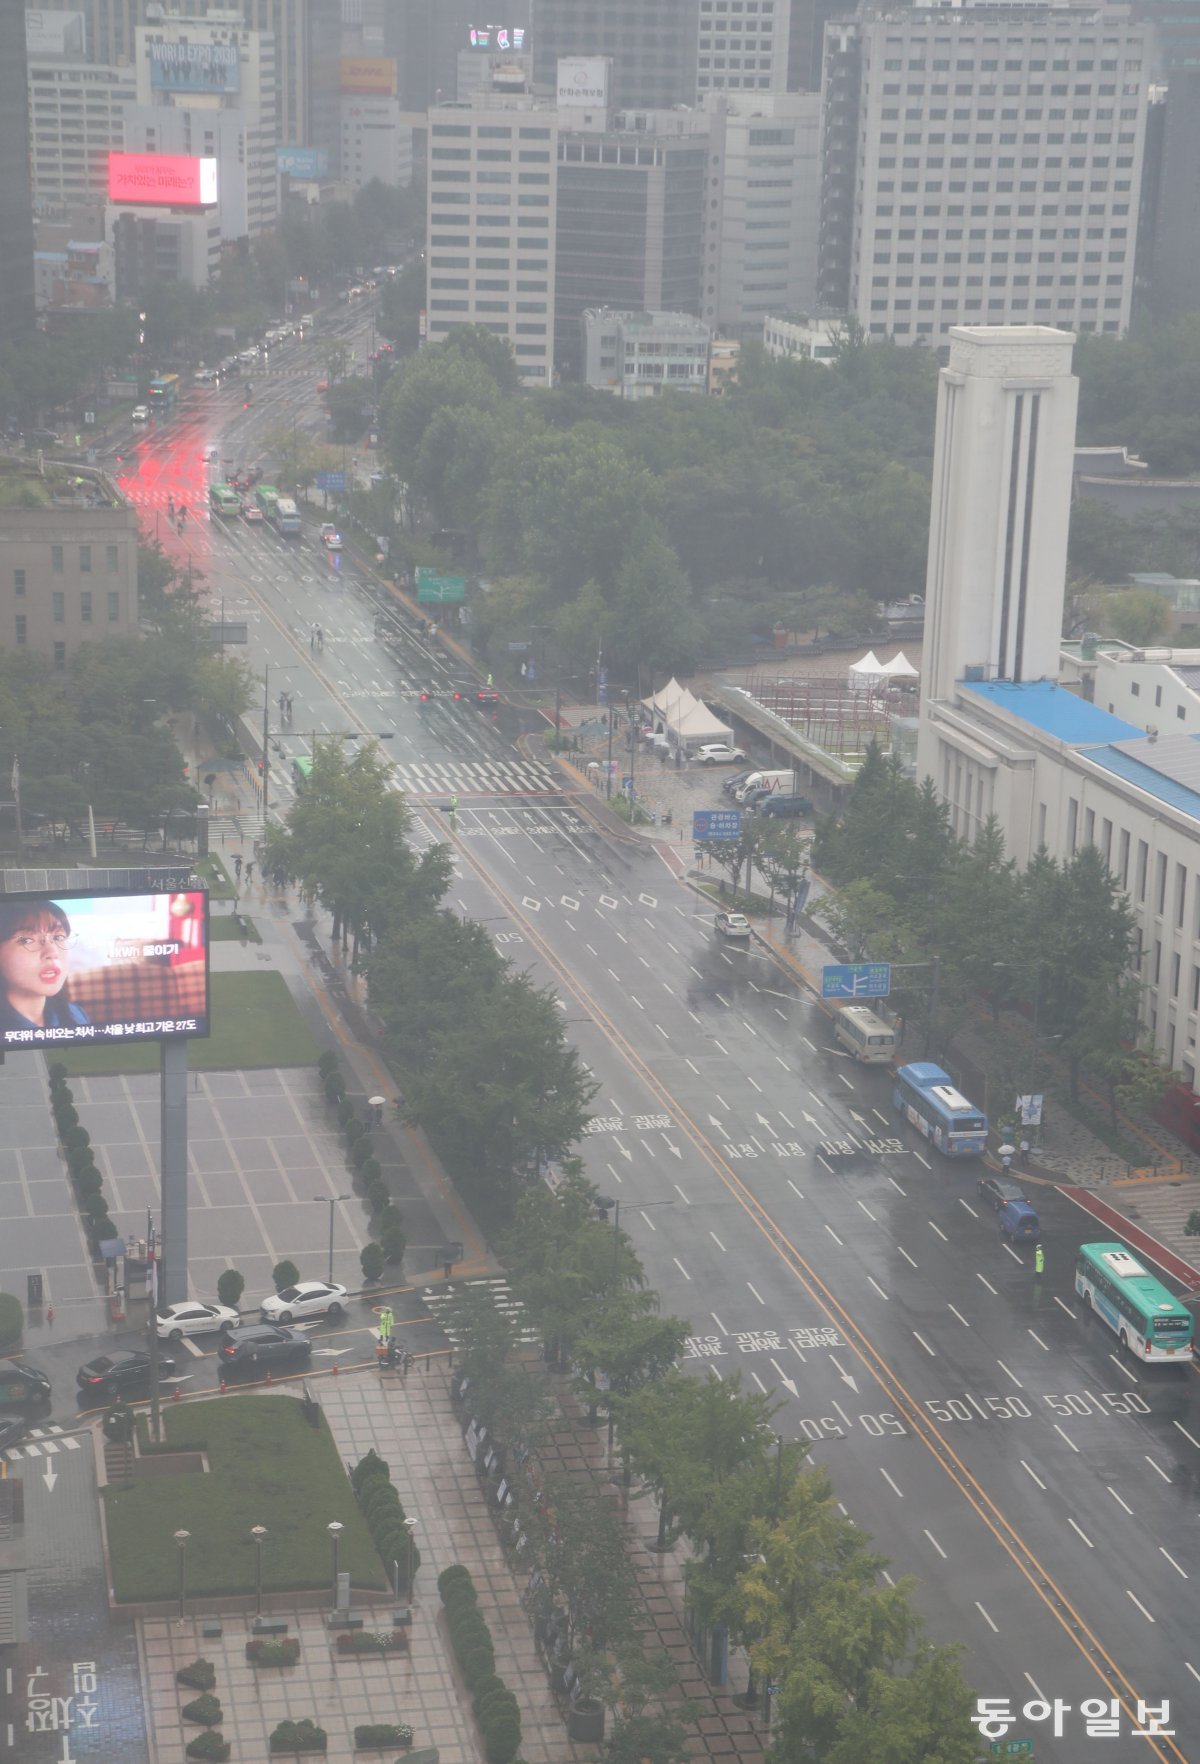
x: 1041, y: 1486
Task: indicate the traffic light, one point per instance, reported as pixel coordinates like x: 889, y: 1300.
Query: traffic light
x: 260, y: 768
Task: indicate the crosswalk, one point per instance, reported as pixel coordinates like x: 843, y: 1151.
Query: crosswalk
x: 465, y: 778
x: 437, y: 1297
x: 43, y: 1442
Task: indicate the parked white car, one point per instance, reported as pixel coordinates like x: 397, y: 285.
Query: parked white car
x: 308, y: 1298
x: 718, y: 753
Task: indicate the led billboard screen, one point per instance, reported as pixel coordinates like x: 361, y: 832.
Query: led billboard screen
x: 92, y: 969
x: 174, y: 180
x: 497, y: 37
x: 373, y: 75
x: 583, y: 81
x: 194, y: 67
x: 302, y: 162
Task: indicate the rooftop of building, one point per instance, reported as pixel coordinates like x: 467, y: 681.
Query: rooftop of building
x: 1167, y: 769
x: 647, y: 321
x: 1054, y: 711
x: 28, y: 484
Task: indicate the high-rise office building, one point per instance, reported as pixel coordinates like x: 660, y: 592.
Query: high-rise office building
x: 76, y: 118
x: 426, y: 38
x: 767, y: 148
x: 653, y: 45
x: 490, y: 243
x: 742, y: 47
x: 16, y: 198
x: 982, y: 165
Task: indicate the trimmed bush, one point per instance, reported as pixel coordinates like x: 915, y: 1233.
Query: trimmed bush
x: 371, y: 1261
x: 377, y: 1736
x: 501, y: 1739
x: 230, y: 1287
x: 204, y: 1710
x: 362, y: 1149
x: 198, y: 1675
x: 95, y: 1205
x: 328, y: 1063
x: 88, y: 1183
x: 345, y: 1112
x: 355, y: 1130
x: 76, y: 1139
x: 57, y: 1074
x: 372, y: 1171
x: 495, y: 1706
x: 455, y: 1575
x: 12, y: 1319
x: 393, y: 1242
x: 102, y: 1229
x: 66, y: 1116
x: 379, y: 1502
x: 284, y: 1274
x: 378, y: 1196
x: 335, y: 1087
x: 298, y: 1736
x: 367, y: 1468
x: 477, y: 1664
x: 211, y: 1746
x: 495, y: 1682
x: 263, y: 1650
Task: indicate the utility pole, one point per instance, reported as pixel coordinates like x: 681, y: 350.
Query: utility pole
x: 266, y: 740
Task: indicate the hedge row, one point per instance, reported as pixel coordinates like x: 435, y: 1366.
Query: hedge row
x: 390, y: 1241
x: 205, y: 1710
x: 81, y: 1163
x: 380, y: 1505
x: 495, y: 1706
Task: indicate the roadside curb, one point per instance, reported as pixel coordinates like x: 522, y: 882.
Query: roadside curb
x: 1147, y: 1245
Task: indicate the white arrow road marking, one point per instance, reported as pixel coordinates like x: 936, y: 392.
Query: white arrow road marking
x: 719, y: 1125
x: 788, y: 1384
x: 845, y: 1377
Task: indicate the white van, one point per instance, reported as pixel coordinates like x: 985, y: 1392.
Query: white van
x: 765, y: 781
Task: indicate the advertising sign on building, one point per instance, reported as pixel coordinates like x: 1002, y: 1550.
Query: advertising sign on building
x: 194, y: 67
x: 372, y: 75
x: 302, y: 162
x: 176, y: 180
x: 54, y: 33
x: 583, y: 82
x: 498, y: 37
x: 93, y: 969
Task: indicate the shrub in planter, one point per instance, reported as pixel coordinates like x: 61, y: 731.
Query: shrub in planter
x: 362, y: 1149
x: 327, y: 1062
x: 66, y: 1115
x: 210, y: 1746
x: 455, y: 1575
x: 76, y: 1139
x: 370, y: 1641
x: 372, y: 1171
x: 378, y: 1196
x: 459, y: 1596
x: 377, y: 1736
x: 284, y: 1274
x: 501, y: 1739
x: 95, y: 1204
x: 491, y: 1683
x: 57, y: 1074
x: 335, y: 1087
x: 345, y: 1111
x: 378, y: 1499
x: 393, y: 1243
x: 198, y: 1675
x: 102, y: 1229
x: 230, y: 1287
x: 262, y: 1650
x: 12, y: 1318
x: 354, y: 1130
x: 298, y: 1736
x: 371, y: 1261
x: 477, y: 1664
x: 204, y: 1710
x: 367, y: 1469
x: 88, y: 1183
x: 496, y: 1696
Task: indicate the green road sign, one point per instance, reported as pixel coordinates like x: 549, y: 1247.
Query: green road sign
x: 432, y: 587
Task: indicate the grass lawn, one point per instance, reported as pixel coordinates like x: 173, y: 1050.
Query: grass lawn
x: 224, y: 928
x: 216, y: 876
x: 267, y: 1466
x: 255, y: 1022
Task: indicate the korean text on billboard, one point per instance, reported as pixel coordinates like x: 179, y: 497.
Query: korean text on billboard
x: 91, y: 969
x: 194, y: 67
x: 176, y: 180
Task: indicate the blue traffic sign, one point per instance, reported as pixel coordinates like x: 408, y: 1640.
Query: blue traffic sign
x: 856, y: 980
x: 331, y: 481
x: 716, y: 823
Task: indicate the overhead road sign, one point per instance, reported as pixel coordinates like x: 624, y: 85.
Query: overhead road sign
x: 716, y: 824
x: 435, y: 588
x: 856, y: 980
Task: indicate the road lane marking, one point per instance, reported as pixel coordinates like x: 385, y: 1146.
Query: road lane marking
x: 921, y: 1160
x: 1170, y: 1558
x: 794, y: 1189
x: 683, y: 1197
x: 1190, y: 1437
x: 897, y: 1187
x: 681, y: 1268
x: 969, y: 1207
x: 1066, y: 1308
x: 845, y: 1081
x: 835, y: 1236
x: 1066, y: 1437
x: 881, y: 1117
x: 937, y: 1546
x: 899, y: 1493
x: 694, y: 1067
x: 786, y: 1122
x: 781, y: 1061
x: 718, y: 1323
x: 987, y: 1283
x: 965, y: 1325
x: 906, y: 1255
x: 1034, y: 1474
x: 1192, y: 1670
x: 986, y: 1618
x: 1124, y: 1370
x: 938, y: 1229
x: 719, y: 1048
x: 717, y: 1241
x: 808, y: 1044
x: 1038, y: 1339
x: 1083, y: 1534
x: 1036, y: 1687
x: 1116, y: 1497
x: 1140, y: 1606
x: 1012, y: 1252
x: 753, y: 1084
x: 870, y: 1215
x: 925, y: 1345
x: 758, y: 1295
x: 1155, y: 1466
x: 873, y: 1282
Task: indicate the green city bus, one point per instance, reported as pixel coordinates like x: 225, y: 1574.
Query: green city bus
x: 1138, y: 1309
x: 224, y: 502
x: 301, y: 770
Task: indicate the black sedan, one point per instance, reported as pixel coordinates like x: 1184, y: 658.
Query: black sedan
x: 113, y: 1375
x: 999, y: 1189
x: 22, y: 1386
x: 259, y: 1346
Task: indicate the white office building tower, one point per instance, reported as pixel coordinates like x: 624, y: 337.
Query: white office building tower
x: 491, y: 228
x: 76, y: 118
x: 761, y: 241
x: 982, y: 165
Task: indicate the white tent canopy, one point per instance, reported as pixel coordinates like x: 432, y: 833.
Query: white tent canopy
x: 900, y: 668
x: 870, y: 664
x: 685, y: 718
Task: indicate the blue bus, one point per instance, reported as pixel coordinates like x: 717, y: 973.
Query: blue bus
x: 1147, y: 1320
x: 926, y: 1097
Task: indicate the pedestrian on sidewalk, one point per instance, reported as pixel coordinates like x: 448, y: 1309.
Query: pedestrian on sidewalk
x: 1025, y: 1151
x: 1039, y: 1260
x: 320, y: 640
x: 237, y: 866
x: 249, y: 875
x: 312, y: 636
x: 453, y: 807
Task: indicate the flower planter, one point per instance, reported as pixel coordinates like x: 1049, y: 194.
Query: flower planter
x: 297, y: 1738
x: 262, y: 1652
x: 368, y: 1642
x: 382, y: 1737
x: 210, y: 1747
x: 585, y: 1723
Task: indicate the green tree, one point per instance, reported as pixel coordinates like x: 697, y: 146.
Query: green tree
x: 631, y: 1345
x: 1137, y: 615
x: 565, y: 1262
x: 348, y: 402
x: 861, y: 916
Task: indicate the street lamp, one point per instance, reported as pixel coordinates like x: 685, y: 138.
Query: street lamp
x: 410, y: 1525
x: 333, y: 1200
x: 335, y: 1529
x: 181, y: 1542
x: 258, y: 1532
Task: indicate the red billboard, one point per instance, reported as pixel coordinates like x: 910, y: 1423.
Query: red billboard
x: 91, y: 969
x: 174, y: 180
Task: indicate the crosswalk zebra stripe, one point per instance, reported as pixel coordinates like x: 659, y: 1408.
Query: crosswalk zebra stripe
x: 479, y: 778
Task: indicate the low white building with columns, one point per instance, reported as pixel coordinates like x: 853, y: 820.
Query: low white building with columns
x: 1004, y: 729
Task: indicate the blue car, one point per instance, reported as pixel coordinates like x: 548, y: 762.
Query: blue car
x: 1019, y: 1222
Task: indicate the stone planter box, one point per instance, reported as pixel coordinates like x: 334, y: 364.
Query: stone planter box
x: 383, y: 1737
x: 366, y: 1643
x: 282, y: 1652
x: 585, y: 1723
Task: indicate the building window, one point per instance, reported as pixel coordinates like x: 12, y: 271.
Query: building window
x: 58, y: 602
x: 56, y: 559
x: 1106, y: 840
x: 85, y: 560
x: 1157, y: 960
x: 22, y: 629
x: 1089, y: 827
x: 1160, y: 883
x: 60, y: 656
x: 85, y: 606
x: 1123, y: 859
x: 114, y: 607
x: 1072, y: 825
x: 1175, y: 963
x: 112, y: 562
x: 1196, y: 986
x: 1180, y: 893
x: 1143, y: 865
x: 19, y: 584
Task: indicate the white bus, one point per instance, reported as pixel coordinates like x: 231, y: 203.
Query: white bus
x: 867, y: 1036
